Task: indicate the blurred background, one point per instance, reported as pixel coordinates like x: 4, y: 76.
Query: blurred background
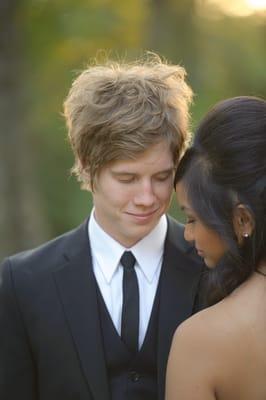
x: 45, y: 43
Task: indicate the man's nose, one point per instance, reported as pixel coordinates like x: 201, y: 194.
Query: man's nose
x: 145, y: 194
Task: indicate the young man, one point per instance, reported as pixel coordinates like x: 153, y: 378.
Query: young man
x: 91, y: 314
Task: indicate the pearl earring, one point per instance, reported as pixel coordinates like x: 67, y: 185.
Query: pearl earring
x: 245, y: 235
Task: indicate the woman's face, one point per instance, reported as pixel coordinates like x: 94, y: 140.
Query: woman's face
x: 209, y: 245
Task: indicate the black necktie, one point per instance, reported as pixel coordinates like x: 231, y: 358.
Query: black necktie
x: 130, y: 310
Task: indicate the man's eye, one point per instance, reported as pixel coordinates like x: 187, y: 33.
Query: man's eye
x: 126, y: 180
x: 162, y: 178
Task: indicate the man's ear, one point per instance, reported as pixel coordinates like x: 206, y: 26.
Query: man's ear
x: 243, y: 222
x: 87, y: 179
x: 89, y: 184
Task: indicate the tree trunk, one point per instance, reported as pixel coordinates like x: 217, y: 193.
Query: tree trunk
x: 173, y: 31
x: 21, y: 219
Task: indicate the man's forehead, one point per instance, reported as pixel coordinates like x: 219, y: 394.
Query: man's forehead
x: 159, y: 153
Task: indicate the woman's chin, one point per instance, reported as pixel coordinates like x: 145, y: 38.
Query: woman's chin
x: 209, y: 263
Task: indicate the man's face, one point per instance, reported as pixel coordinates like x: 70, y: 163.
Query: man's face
x: 130, y: 196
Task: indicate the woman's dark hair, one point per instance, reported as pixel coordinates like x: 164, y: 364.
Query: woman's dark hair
x: 226, y: 166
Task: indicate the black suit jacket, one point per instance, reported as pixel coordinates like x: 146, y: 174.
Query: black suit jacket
x: 50, y: 336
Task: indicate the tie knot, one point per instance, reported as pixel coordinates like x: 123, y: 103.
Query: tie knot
x: 128, y: 260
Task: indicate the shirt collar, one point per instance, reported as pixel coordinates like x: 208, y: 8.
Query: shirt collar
x: 107, y: 251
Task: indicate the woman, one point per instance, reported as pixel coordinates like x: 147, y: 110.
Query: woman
x: 220, y: 353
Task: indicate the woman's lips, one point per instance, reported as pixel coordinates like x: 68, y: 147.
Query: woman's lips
x: 200, y: 253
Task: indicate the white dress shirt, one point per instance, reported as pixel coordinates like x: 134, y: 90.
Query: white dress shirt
x: 106, y: 255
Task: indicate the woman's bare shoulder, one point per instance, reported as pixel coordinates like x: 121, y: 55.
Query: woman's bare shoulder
x: 231, y: 315
x: 205, y: 322
x: 210, y: 349
x: 194, y: 361
x: 207, y: 333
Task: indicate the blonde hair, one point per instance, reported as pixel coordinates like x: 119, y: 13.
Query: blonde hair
x: 116, y: 111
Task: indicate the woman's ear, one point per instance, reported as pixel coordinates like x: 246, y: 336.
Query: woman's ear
x: 243, y: 222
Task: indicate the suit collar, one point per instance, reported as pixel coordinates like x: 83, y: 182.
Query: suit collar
x: 76, y: 286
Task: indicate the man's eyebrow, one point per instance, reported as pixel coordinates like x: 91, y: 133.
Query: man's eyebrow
x: 116, y: 173
x: 164, y: 171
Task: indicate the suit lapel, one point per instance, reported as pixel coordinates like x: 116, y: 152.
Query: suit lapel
x: 76, y: 285
x: 179, y: 282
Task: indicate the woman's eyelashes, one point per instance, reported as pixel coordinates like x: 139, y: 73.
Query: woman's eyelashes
x: 190, y: 220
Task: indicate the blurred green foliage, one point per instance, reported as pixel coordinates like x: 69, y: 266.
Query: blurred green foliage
x: 223, y: 55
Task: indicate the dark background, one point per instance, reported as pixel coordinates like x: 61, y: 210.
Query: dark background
x: 45, y: 43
